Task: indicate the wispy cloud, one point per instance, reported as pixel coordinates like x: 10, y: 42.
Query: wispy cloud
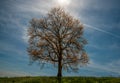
x: 101, y: 30
x: 5, y: 47
x: 13, y: 73
x: 112, y: 67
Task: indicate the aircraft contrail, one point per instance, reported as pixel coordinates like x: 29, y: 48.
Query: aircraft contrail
x: 101, y: 30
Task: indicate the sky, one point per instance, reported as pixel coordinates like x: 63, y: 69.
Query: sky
x: 101, y: 20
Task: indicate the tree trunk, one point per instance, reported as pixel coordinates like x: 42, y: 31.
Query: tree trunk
x: 59, y: 75
x: 59, y: 67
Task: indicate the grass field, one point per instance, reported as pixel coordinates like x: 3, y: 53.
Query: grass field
x: 64, y: 80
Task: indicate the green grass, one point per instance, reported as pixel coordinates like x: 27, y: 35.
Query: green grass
x: 64, y: 80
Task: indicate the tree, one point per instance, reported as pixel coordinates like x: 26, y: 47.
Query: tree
x: 57, y: 39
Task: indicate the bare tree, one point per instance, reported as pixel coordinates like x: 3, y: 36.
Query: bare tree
x: 58, y: 39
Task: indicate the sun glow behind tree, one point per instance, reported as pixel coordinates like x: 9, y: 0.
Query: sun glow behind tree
x: 63, y: 2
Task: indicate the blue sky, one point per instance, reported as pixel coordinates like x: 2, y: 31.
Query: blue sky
x: 101, y: 19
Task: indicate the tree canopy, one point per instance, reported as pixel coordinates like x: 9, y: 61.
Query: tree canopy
x: 58, y: 39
